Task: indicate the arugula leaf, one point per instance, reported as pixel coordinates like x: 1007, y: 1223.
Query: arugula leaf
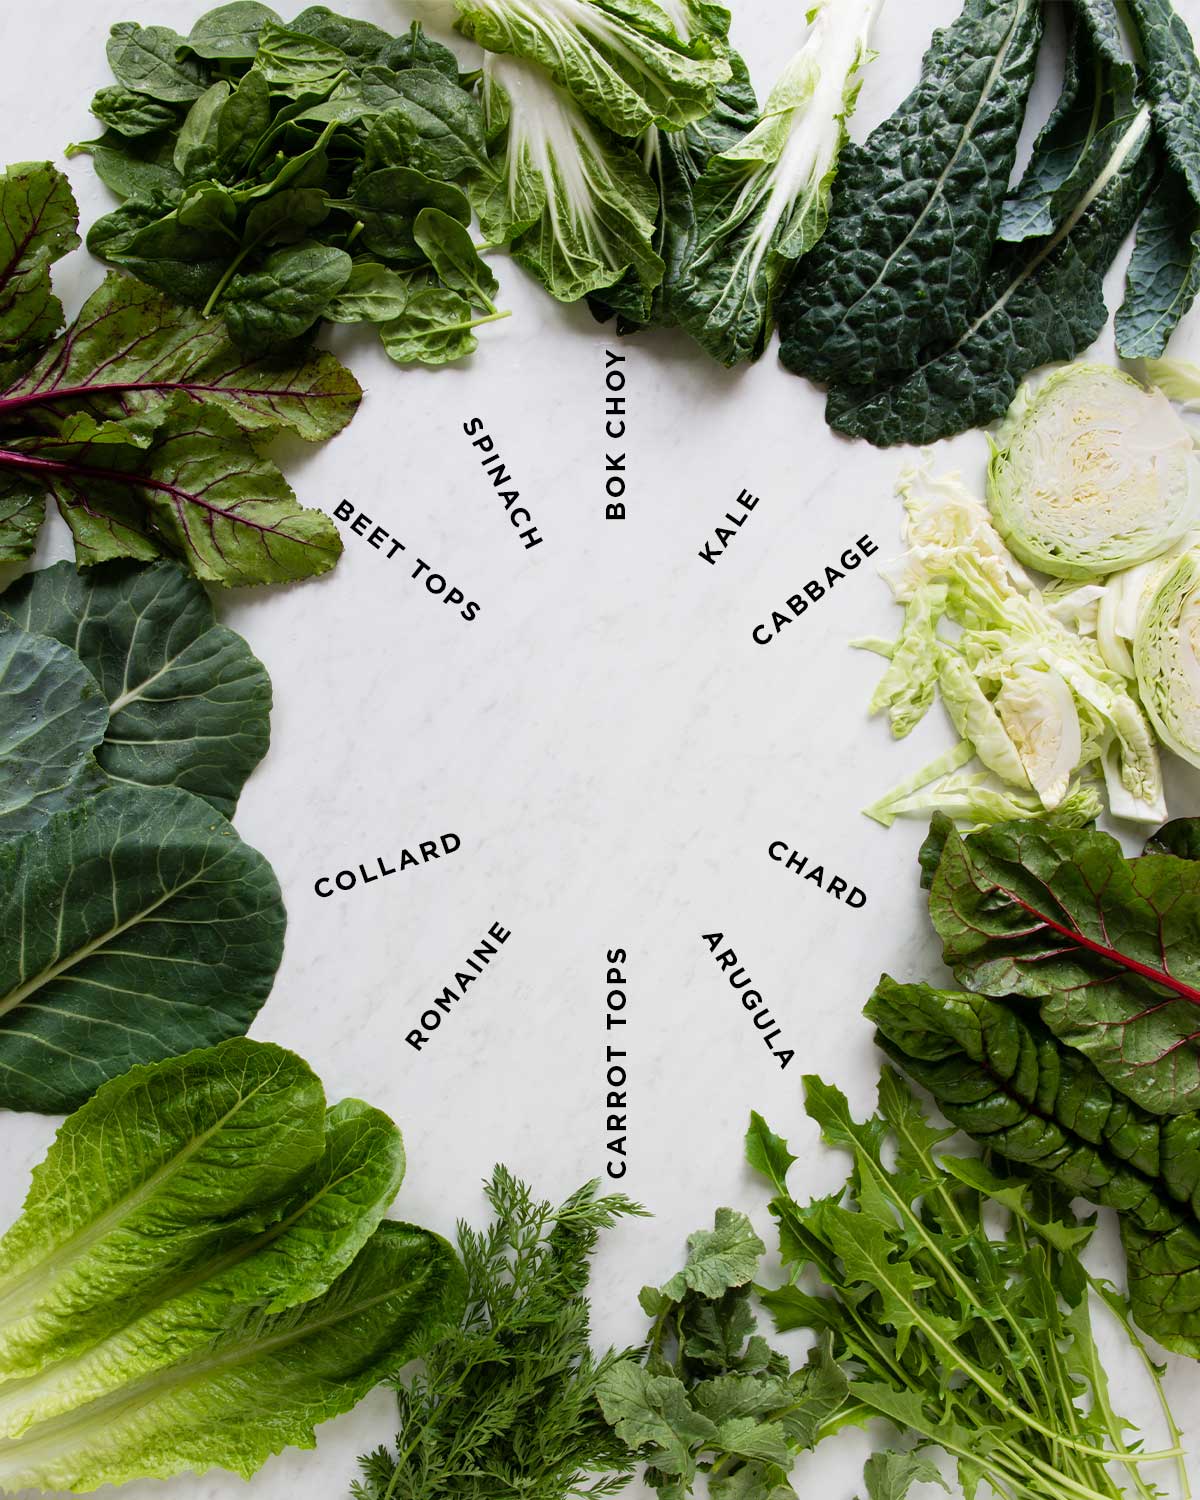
x: 917, y: 207
x: 188, y: 703
x: 54, y: 715
x: 1042, y: 300
x: 1102, y: 944
x: 1164, y: 274
x: 628, y: 66
x: 145, y: 895
x: 996, y: 1072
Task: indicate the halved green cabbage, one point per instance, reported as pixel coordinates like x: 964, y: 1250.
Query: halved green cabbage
x: 1166, y: 654
x: 1092, y: 473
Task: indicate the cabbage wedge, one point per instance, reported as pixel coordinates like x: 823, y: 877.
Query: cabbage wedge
x: 1166, y: 653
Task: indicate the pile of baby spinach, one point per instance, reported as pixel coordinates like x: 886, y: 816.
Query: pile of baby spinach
x: 134, y: 922
x: 142, y: 421
x: 1072, y: 1047
x: 281, y: 175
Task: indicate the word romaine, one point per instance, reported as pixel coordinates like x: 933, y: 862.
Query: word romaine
x: 1091, y: 472
x: 201, y: 1275
x: 764, y: 202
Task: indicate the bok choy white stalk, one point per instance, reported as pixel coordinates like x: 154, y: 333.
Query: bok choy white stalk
x: 764, y: 202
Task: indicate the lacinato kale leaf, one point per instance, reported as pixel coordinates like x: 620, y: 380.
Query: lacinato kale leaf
x: 142, y: 420
x: 916, y: 209
x: 259, y: 164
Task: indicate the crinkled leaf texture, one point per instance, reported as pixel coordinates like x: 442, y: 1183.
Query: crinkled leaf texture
x: 574, y: 205
x: 1105, y: 946
x: 630, y: 66
x: 135, y: 926
x: 999, y: 1074
x: 52, y: 715
x: 189, y: 703
x: 1164, y: 274
x: 200, y: 1274
x: 916, y: 209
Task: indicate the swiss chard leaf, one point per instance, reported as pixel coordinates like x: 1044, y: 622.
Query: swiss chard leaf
x: 1000, y: 1075
x: 1042, y: 300
x: 1164, y: 274
x: 53, y: 716
x: 1104, y: 945
x: 188, y: 703
x: 133, y: 927
x: 916, y: 209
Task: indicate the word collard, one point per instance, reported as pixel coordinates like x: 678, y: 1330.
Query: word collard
x: 752, y: 1001
x: 616, y: 1074
x: 435, y: 583
x: 502, y: 481
x: 798, y: 864
x: 480, y: 957
x: 813, y: 590
x: 348, y: 880
x: 614, y: 428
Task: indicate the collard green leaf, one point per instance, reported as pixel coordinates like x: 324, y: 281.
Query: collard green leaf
x: 285, y: 297
x: 997, y: 1073
x: 37, y: 227
x: 151, y: 60
x: 53, y: 714
x: 1042, y: 300
x: 230, y: 33
x: 134, y: 927
x: 628, y: 67
x: 188, y: 703
x: 916, y: 209
x: 1104, y: 945
x: 1164, y: 274
x: 199, y: 492
x: 132, y: 349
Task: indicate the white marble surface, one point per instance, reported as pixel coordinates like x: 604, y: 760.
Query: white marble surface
x: 610, y: 745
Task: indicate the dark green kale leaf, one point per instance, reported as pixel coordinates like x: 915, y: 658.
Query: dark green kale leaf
x: 916, y: 209
x: 1164, y: 274
x: 1042, y: 300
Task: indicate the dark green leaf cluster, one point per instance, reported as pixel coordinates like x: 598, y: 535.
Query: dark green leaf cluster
x: 1100, y: 1094
x: 281, y: 175
x: 142, y: 421
x: 971, y: 1335
x: 505, y: 1402
x: 935, y: 290
x: 134, y: 923
x: 709, y: 1395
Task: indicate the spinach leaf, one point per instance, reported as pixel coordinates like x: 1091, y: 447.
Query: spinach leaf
x: 132, y: 114
x: 104, y: 900
x: 372, y: 294
x: 283, y: 300
x: 230, y: 33
x: 148, y: 60
x: 916, y: 209
x: 999, y: 1074
x: 188, y: 703
x: 434, y: 328
x: 1042, y: 300
x: 53, y: 716
x: 387, y: 203
x: 1104, y: 946
x: 451, y: 251
x: 1164, y: 274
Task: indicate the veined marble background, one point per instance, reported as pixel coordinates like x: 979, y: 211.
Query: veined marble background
x: 606, y: 739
